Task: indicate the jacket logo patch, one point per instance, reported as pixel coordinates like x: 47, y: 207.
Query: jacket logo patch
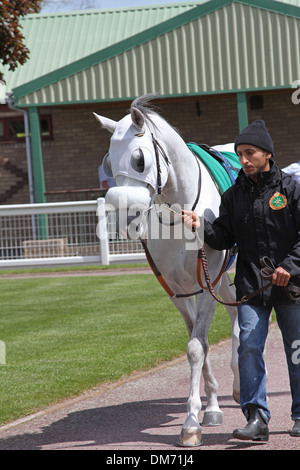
x: 278, y: 201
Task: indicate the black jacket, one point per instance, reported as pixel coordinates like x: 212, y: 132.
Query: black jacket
x: 261, y: 226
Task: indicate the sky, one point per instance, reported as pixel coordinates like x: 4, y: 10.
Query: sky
x: 67, y: 5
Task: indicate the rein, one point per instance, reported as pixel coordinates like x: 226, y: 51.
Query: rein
x: 158, y: 147
x: 201, y: 259
x: 267, y: 269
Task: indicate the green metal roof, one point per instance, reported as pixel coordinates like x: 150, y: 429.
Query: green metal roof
x: 58, y: 39
x: 117, y: 54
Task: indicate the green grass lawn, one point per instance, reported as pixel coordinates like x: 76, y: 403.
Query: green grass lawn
x: 67, y: 335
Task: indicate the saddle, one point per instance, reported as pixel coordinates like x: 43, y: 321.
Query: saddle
x: 223, y: 167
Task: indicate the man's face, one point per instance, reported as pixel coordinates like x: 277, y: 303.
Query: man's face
x: 253, y: 159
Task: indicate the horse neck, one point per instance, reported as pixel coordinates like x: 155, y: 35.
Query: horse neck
x: 183, y: 182
x: 183, y: 179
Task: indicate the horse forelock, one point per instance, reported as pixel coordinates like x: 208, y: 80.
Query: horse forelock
x: 152, y: 113
x: 142, y: 103
x: 149, y: 110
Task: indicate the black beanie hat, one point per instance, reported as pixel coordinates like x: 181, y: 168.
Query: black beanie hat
x: 255, y: 134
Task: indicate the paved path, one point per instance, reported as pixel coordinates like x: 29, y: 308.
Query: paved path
x: 146, y: 412
x: 78, y: 273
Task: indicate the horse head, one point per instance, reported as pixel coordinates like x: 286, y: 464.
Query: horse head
x: 138, y: 165
x: 135, y: 159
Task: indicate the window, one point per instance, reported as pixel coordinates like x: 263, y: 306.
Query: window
x: 256, y: 102
x: 12, y: 129
x: 16, y: 130
x: 1, y: 130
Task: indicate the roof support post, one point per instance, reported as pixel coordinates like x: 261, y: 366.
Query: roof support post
x: 242, y: 110
x: 38, y: 169
x: 37, y: 155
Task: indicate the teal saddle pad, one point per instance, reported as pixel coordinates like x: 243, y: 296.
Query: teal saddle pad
x: 223, y: 166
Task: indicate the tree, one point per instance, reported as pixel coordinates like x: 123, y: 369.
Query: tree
x: 13, y: 51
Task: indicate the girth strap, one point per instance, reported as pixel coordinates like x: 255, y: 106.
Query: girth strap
x: 160, y: 277
x: 201, y: 257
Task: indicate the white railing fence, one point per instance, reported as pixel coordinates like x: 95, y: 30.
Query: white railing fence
x: 62, y: 233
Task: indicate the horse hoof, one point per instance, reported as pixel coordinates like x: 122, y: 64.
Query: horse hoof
x: 190, y: 438
x: 212, y: 418
x: 236, y: 396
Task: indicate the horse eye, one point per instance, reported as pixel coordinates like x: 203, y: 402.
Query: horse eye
x: 138, y: 160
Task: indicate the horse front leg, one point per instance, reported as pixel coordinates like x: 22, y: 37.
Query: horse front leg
x: 191, y: 430
x: 197, y: 350
x: 191, y: 433
x: 213, y: 416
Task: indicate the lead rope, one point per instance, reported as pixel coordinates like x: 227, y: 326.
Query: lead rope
x: 265, y: 273
x: 202, y: 256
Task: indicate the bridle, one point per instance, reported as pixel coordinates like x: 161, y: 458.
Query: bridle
x: 201, y: 258
x: 158, y: 148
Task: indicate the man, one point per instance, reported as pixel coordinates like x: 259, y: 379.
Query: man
x: 261, y: 213
x: 106, y: 182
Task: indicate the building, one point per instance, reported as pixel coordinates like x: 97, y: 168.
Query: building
x: 216, y: 64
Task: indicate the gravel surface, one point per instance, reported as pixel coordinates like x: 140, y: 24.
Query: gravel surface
x: 146, y: 411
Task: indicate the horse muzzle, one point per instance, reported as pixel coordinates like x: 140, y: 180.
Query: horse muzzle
x: 130, y: 203
x: 128, y: 197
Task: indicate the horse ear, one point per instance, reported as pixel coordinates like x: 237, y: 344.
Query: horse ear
x: 137, y: 118
x: 107, y: 123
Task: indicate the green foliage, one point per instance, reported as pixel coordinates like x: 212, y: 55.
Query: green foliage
x: 12, y: 49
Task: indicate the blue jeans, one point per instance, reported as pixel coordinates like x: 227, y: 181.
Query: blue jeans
x: 254, y: 322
